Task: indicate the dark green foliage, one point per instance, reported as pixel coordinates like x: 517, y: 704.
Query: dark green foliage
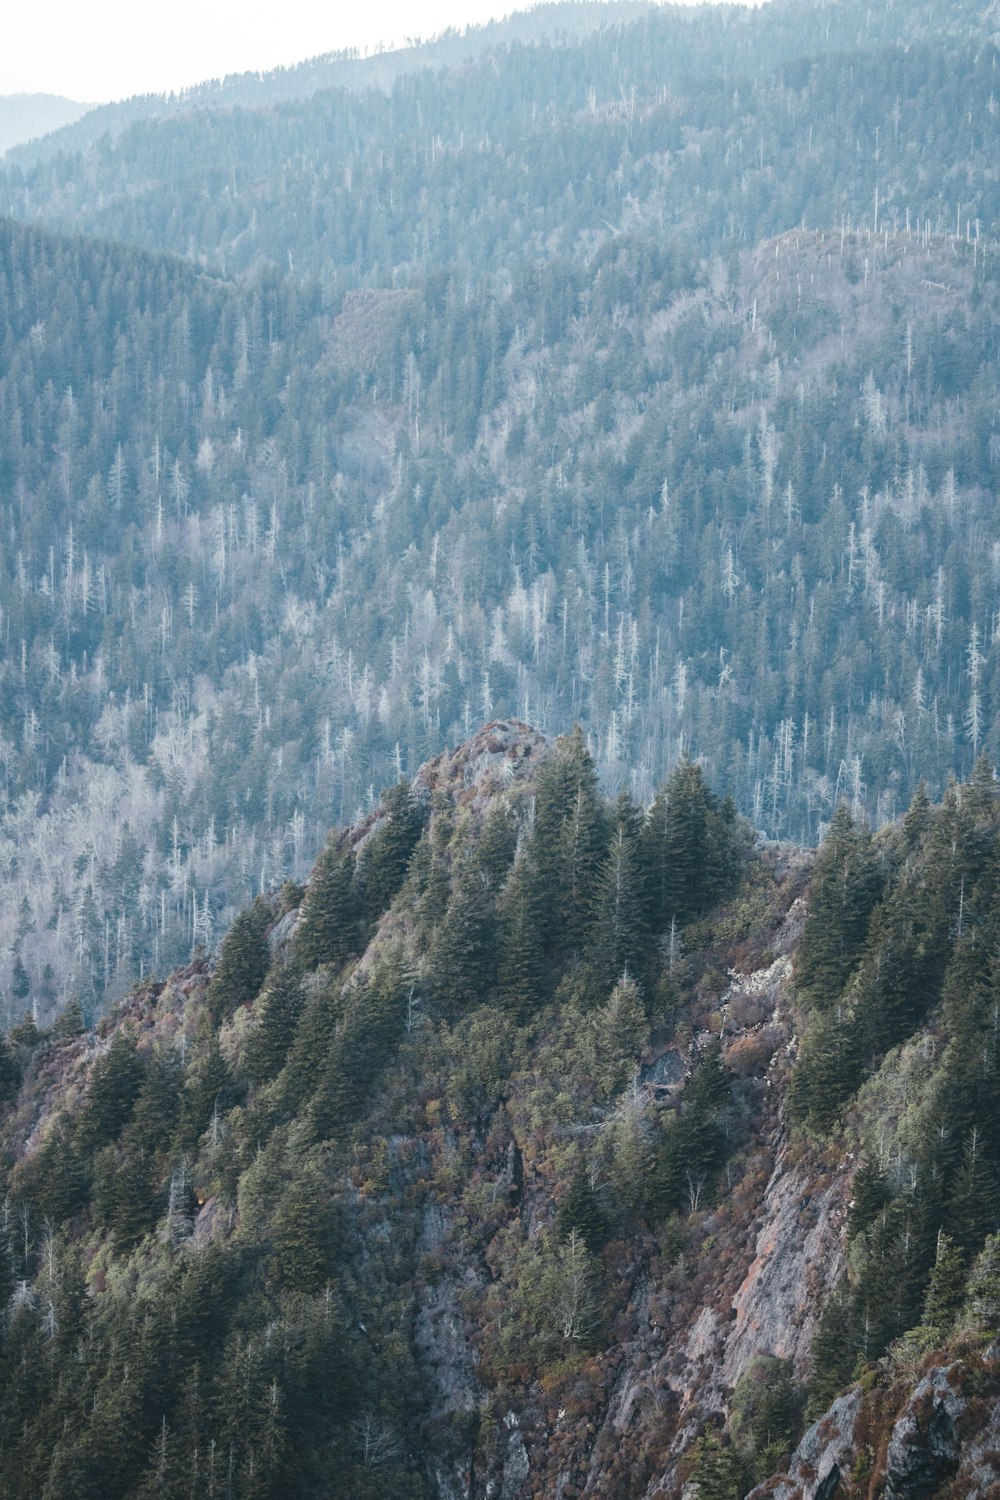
x: 846, y: 884
x: 10, y: 1073
x: 327, y: 931
x: 115, y: 1084
x: 834, y: 1352
x: 363, y: 1045
x: 764, y: 1413
x: 718, y: 1473
x: 279, y: 1010
x: 209, y: 1091
x: 56, y: 1181
x: 69, y: 1023
x: 243, y: 962
x: 302, y: 1235
x: 946, y: 1288
x: 463, y: 953
x: 827, y: 1072
x: 521, y: 970
x: 689, y: 849
x: 581, y: 1210
x: 870, y: 1194
x: 568, y: 845
x: 386, y: 856
x: 619, y: 932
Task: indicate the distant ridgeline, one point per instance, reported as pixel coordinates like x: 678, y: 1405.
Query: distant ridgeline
x: 421, y: 1089
x: 643, y: 375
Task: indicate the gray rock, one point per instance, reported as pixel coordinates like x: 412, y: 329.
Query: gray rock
x: 823, y: 1456
x: 925, y: 1449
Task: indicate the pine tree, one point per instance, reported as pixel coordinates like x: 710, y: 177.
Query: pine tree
x: 387, y: 855
x: 621, y: 1032
x: 619, y: 934
x: 302, y: 1235
x: 69, y: 1024
x: 463, y: 952
x: 688, y: 849
x: 983, y: 1293
x: 581, y: 1211
x: 521, y: 978
x: 567, y: 845
x: 10, y: 1073
x: 115, y: 1084
x: 946, y: 1287
x: 870, y: 1194
x: 279, y: 1010
x: 845, y: 886
x: 242, y: 965
x: 327, y: 930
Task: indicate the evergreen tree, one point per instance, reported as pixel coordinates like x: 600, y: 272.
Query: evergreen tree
x: 870, y: 1194
x: 280, y: 1008
x: 243, y: 963
x: 946, y: 1287
x: 69, y: 1024
x: 568, y: 842
x: 521, y: 978
x: 387, y: 854
x: 327, y: 930
x: 619, y: 933
x: 983, y: 1293
x: 845, y: 886
x: 302, y: 1238
x: 115, y: 1084
x: 581, y: 1210
x: 463, y: 952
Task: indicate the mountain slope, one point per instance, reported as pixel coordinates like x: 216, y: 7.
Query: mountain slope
x: 23, y: 117
x: 420, y: 1188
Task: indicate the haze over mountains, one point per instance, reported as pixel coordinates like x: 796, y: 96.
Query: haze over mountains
x: 25, y: 117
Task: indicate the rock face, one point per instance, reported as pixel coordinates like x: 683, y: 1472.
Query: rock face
x: 799, y: 1255
x: 925, y: 1446
x: 822, y: 1459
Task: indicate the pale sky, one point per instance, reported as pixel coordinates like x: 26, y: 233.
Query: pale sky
x: 109, y: 49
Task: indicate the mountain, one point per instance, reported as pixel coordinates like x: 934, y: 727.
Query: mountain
x: 342, y: 70
x: 540, y: 1144
x: 25, y: 117
x: 588, y: 375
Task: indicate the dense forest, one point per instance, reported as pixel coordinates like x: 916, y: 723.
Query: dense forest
x: 640, y: 372
x: 398, y: 1165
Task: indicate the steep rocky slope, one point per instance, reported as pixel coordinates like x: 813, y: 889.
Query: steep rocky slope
x: 553, y: 1252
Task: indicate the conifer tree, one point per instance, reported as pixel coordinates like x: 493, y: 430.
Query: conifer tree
x: 946, y: 1287
x: 463, y: 953
x: 521, y: 970
x: 845, y: 886
x: 581, y: 1210
x: 618, y: 937
x: 387, y: 855
x: 280, y: 1008
x: 327, y: 931
x: 242, y: 965
x: 568, y: 842
x: 115, y: 1084
x: 983, y: 1293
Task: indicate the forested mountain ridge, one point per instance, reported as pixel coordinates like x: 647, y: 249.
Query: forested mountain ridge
x: 504, y: 1159
x: 643, y: 375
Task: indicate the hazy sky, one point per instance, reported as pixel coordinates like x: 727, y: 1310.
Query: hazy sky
x: 108, y: 49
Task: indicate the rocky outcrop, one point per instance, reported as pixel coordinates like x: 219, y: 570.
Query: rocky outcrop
x: 925, y: 1446
x: 823, y: 1458
x: 798, y: 1259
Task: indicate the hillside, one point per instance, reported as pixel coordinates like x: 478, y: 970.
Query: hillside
x: 506, y: 1158
x: 623, y: 366
x: 24, y: 117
